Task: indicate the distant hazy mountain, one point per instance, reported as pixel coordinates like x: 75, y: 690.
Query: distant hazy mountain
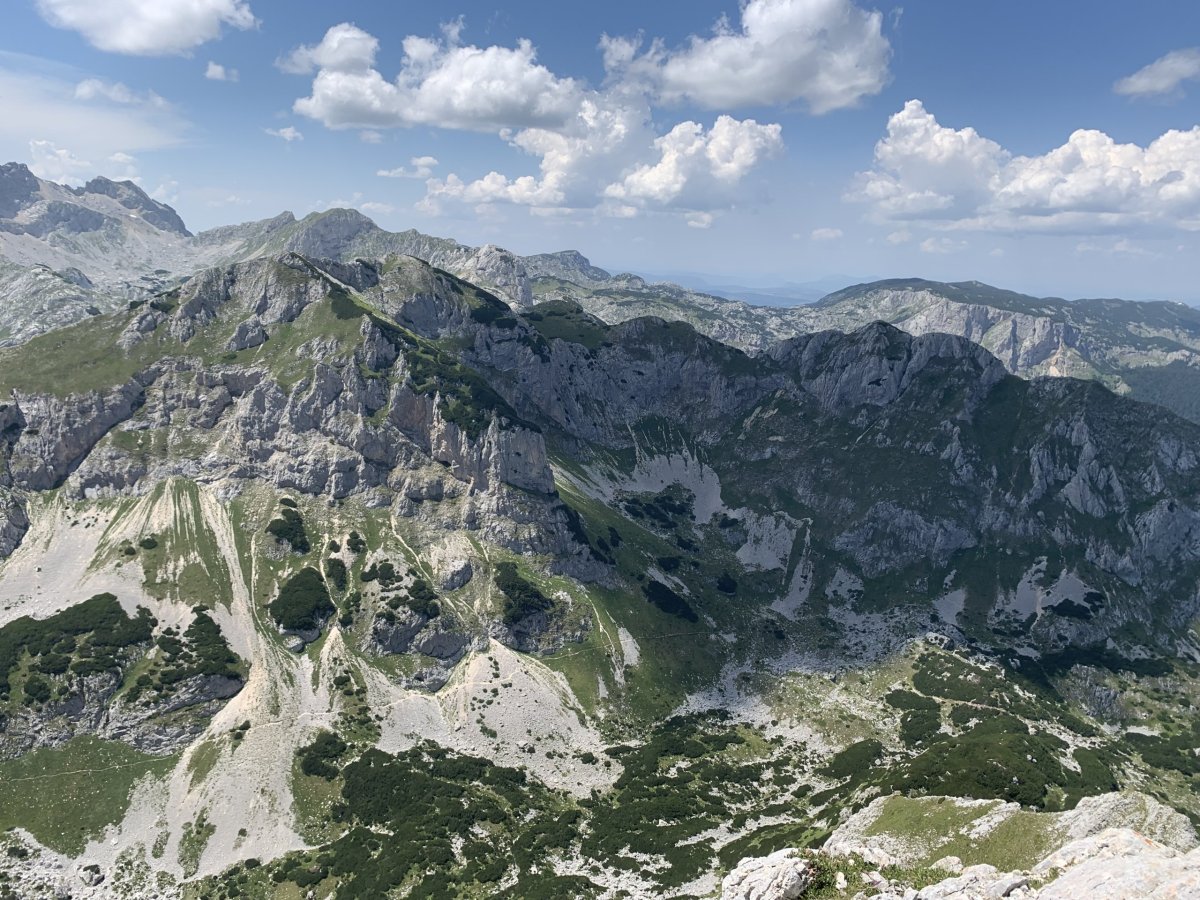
x: 121, y: 245
x: 777, y: 293
x: 1150, y: 350
x: 110, y: 243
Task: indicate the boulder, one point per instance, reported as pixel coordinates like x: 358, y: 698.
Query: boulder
x: 784, y: 875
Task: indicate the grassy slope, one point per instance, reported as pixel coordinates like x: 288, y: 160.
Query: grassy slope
x: 67, y: 795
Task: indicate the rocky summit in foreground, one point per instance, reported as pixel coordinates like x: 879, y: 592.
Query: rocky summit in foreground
x: 354, y: 575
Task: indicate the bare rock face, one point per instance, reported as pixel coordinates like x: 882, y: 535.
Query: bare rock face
x: 133, y: 198
x: 249, y: 334
x: 567, y: 265
x: 455, y: 573
x: 442, y: 642
x: 1152, y: 854
x: 18, y: 189
x: 90, y: 874
x: 170, y: 724
x: 36, y: 299
x: 395, y: 634
x: 876, y: 364
x: 1113, y: 864
x: 65, y: 431
x: 361, y: 421
x: 1036, y: 341
x: 497, y: 268
x: 161, y: 726
x: 1116, y: 864
x: 784, y: 875
x: 1119, y: 863
x: 346, y: 234
x: 13, y: 522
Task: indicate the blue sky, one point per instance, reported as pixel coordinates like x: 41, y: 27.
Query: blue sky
x: 1051, y: 148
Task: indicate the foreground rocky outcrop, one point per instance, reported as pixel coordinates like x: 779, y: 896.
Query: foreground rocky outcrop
x: 784, y: 875
x: 1119, y: 846
x: 1116, y: 864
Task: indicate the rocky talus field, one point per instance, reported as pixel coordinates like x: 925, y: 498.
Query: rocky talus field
x: 341, y: 563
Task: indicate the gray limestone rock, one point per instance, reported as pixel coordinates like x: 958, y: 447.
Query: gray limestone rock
x: 784, y: 875
x: 249, y: 334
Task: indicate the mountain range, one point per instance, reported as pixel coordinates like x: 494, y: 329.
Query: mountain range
x: 362, y: 564
x: 71, y: 251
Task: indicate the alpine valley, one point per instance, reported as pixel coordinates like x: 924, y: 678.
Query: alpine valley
x: 337, y: 562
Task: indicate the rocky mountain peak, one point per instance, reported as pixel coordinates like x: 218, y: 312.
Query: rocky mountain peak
x: 133, y: 198
x: 324, y: 234
x: 568, y: 265
x: 875, y: 364
x: 18, y: 188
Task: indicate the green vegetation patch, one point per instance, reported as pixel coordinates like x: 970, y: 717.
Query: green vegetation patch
x: 336, y: 572
x: 89, y: 638
x: 79, y: 358
x: 201, y: 651
x: 382, y: 572
x: 665, y: 510
x: 422, y: 599
x: 522, y: 598
x: 432, y: 823
x: 855, y: 759
x: 320, y: 757
x: 303, y: 603
x: 669, y: 601
x: 66, y: 795
x: 921, y: 720
x: 566, y: 321
x: 437, y: 824
x: 692, y: 774
x: 288, y: 527
x: 938, y: 826
x: 998, y: 759
x: 466, y: 399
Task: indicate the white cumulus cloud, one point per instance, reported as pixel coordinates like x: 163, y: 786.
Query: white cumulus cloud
x: 422, y: 167
x: 692, y: 160
x: 167, y: 192
x: 345, y: 47
x: 595, y: 149
x: 611, y: 158
x: 440, y: 83
x: 1164, y: 76
x: 53, y: 163
x: 288, y: 133
x: 826, y: 234
x: 92, y: 117
x: 957, y: 178
x: 941, y: 245
x: 147, y: 27
x: 828, y: 53
x: 116, y: 92
x: 218, y: 72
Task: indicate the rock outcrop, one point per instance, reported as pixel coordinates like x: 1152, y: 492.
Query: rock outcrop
x: 784, y: 875
x: 161, y: 726
x: 1114, y: 864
